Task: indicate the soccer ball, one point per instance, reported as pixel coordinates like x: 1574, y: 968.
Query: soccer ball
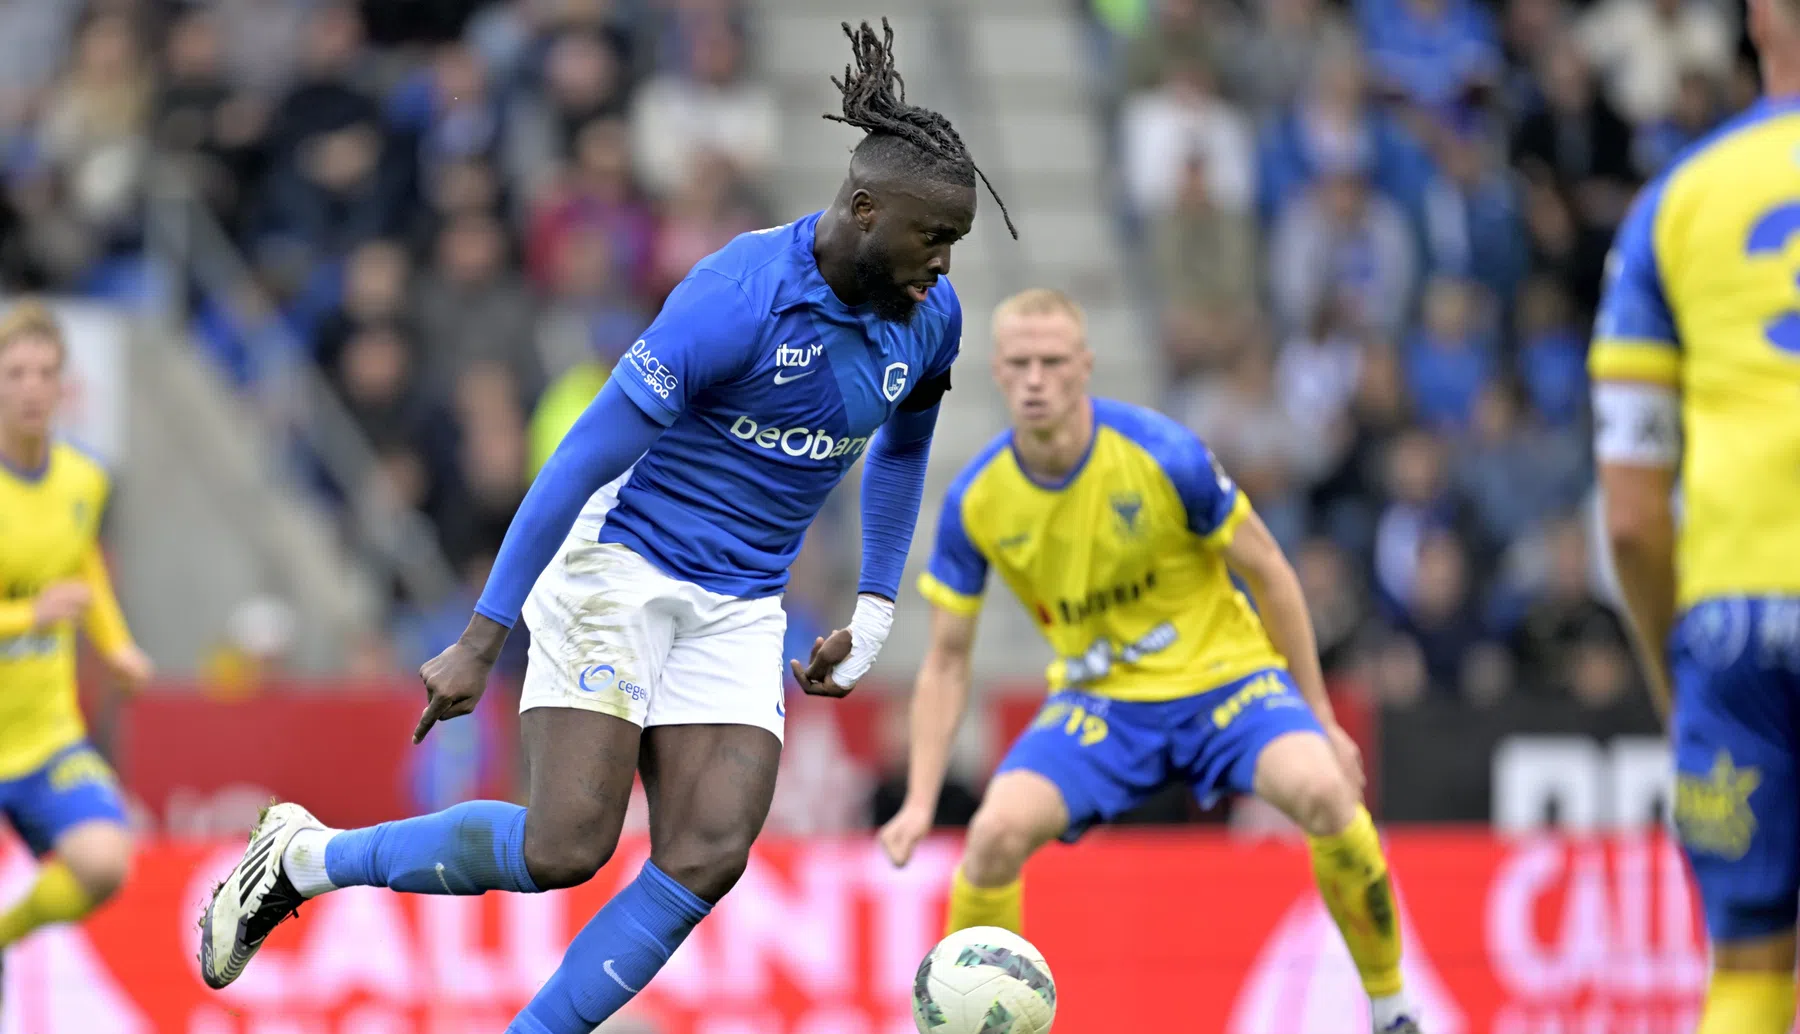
x: 984, y: 980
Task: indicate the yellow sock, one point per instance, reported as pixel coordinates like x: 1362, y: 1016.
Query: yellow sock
x: 56, y: 897
x: 986, y: 906
x: 1748, y: 1003
x: 1353, y: 879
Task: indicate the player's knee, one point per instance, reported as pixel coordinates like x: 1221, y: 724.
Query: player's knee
x: 102, y: 874
x: 1321, y: 801
x: 707, y: 863
x: 1301, y: 776
x: 98, y: 855
x: 1000, y: 841
x: 556, y: 862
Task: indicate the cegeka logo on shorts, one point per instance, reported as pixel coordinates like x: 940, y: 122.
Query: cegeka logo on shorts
x: 797, y: 442
x: 596, y: 678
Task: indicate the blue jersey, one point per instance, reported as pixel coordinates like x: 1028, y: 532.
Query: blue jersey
x: 770, y: 389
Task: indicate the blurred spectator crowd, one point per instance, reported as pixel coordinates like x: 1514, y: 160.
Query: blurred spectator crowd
x: 461, y: 211
x: 1375, y: 234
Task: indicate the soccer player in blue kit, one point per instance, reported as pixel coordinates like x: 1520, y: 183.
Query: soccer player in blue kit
x: 656, y: 622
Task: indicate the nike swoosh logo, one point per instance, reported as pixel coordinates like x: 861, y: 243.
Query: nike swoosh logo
x: 783, y: 378
x: 442, y: 880
x: 607, y: 965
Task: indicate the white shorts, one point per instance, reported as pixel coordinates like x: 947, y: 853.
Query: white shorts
x: 612, y: 633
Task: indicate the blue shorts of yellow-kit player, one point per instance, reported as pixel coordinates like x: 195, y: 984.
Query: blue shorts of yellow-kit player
x: 1108, y: 756
x: 73, y: 787
x: 1735, y: 664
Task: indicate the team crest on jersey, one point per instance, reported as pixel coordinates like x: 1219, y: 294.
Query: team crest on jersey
x: 1128, y: 507
x: 893, y: 381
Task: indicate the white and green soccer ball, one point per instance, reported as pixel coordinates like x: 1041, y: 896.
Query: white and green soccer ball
x: 984, y: 980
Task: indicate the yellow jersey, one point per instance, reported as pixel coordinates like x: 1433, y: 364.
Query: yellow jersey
x: 1120, y: 562
x: 48, y: 522
x: 1701, y: 297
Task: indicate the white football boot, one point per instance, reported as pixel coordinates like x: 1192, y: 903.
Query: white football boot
x: 255, y: 899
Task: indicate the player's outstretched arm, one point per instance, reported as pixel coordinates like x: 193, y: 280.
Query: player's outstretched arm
x: 608, y: 438
x: 105, y: 624
x: 893, y: 485
x: 940, y: 698
x: 1254, y: 555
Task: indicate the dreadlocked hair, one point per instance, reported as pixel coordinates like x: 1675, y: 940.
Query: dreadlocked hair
x: 875, y: 102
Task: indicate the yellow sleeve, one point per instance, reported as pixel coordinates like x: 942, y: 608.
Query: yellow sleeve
x: 17, y: 617
x: 957, y: 571
x: 1221, y: 536
x: 941, y: 595
x: 105, y: 622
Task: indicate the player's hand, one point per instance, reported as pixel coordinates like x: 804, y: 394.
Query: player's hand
x: 827, y: 653
x: 1349, y: 756
x: 62, y: 601
x: 130, y: 665
x: 454, y: 682
x: 903, y: 833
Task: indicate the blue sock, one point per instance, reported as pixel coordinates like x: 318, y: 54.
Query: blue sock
x: 469, y: 849
x: 614, y: 956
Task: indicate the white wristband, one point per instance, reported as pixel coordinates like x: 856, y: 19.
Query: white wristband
x: 869, y: 627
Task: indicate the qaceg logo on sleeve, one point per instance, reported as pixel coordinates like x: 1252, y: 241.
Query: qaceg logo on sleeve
x: 660, y: 379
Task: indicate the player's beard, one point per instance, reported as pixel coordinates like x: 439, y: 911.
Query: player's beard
x: 875, y: 276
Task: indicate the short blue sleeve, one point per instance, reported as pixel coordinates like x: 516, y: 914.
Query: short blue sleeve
x: 1212, y: 501
x: 1207, y: 493
x: 707, y: 332
x: 1633, y: 307
x: 957, y: 571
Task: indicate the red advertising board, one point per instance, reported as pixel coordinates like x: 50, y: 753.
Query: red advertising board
x: 199, y: 766
x: 1183, y: 932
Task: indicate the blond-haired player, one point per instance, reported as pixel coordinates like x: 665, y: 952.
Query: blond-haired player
x: 1118, y: 531
x: 55, y: 790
